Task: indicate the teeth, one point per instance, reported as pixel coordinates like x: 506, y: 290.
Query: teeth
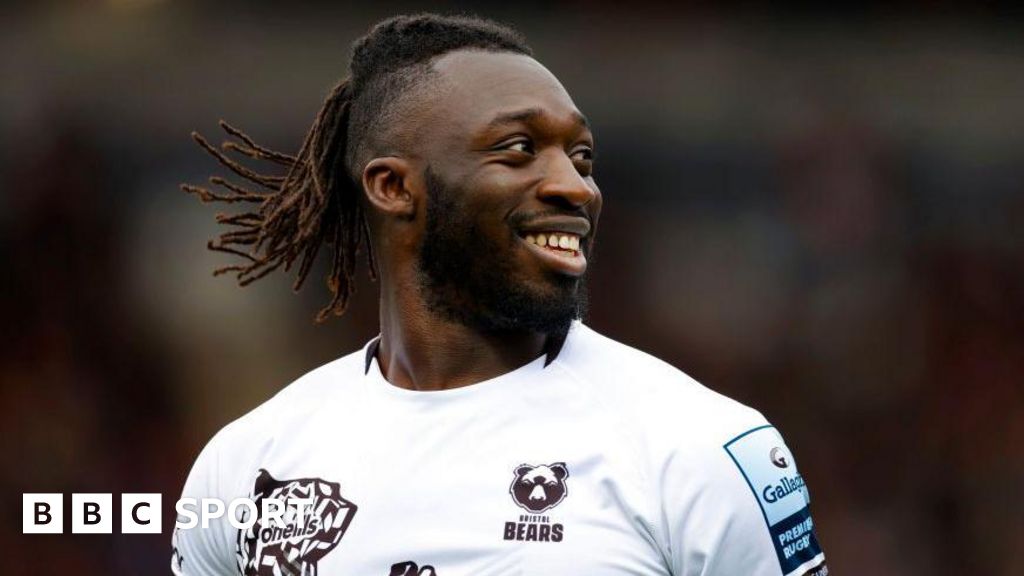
x: 555, y: 240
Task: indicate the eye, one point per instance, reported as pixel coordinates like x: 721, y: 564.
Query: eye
x: 585, y: 153
x: 583, y: 158
x: 523, y: 145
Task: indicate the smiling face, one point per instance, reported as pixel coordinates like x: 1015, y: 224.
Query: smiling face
x: 512, y: 207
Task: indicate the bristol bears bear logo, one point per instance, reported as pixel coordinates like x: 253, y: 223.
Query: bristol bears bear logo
x: 539, y: 488
x: 271, y: 548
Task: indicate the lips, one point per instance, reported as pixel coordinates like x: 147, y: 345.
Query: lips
x: 576, y: 226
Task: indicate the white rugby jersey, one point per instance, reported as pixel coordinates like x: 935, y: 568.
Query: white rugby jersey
x: 604, y: 461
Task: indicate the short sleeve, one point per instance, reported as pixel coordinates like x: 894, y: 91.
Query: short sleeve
x: 741, y: 508
x: 200, y: 551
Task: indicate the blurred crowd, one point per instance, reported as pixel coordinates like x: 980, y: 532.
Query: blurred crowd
x: 818, y: 216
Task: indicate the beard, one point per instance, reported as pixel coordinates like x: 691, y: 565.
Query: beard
x: 469, y: 278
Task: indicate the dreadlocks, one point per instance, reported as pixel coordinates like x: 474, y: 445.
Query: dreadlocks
x: 317, y: 200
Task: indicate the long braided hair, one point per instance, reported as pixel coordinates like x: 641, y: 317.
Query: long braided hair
x: 315, y: 199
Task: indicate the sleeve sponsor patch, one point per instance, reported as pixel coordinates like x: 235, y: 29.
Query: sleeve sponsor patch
x: 769, y: 469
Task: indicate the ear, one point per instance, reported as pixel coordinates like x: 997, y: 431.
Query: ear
x: 560, y: 470
x: 391, y: 186
x: 523, y: 470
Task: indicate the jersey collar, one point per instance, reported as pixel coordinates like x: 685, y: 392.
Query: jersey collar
x: 552, y: 347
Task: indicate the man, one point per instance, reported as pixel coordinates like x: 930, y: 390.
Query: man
x: 487, y: 430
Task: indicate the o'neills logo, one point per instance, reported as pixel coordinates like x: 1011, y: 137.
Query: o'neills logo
x: 772, y: 493
x: 537, y: 489
x: 314, y: 519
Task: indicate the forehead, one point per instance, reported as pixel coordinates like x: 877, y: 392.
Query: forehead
x: 476, y: 87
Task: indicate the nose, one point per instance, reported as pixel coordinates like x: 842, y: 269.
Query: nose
x: 564, y: 184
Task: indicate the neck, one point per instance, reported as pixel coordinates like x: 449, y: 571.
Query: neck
x: 422, y: 350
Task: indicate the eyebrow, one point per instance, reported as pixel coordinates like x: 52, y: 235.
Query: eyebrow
x: 528, y: 114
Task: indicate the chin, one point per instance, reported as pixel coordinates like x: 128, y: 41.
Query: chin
x: 545, y: 305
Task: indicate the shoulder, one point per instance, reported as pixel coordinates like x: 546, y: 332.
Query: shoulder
x: 721, y: 477
x: 223, y: 470
x: 671, y: 420
x: 679, y: 429
x: 653, y: 395
x: 246, y: 438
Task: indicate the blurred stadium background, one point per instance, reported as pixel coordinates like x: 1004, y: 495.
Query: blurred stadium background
x: 841, y: 196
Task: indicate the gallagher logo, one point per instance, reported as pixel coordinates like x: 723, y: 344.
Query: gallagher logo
x: 778, y: 457
x: 772, y: 493
x: 537, y: 489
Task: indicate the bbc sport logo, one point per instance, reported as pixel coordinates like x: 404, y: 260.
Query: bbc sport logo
x: 141, y: 513
x: 90, y: 513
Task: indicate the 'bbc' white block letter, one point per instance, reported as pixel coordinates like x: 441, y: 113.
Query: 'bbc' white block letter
x: 140, y: 514
x: 91, y: 513
x: 42, y: 513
